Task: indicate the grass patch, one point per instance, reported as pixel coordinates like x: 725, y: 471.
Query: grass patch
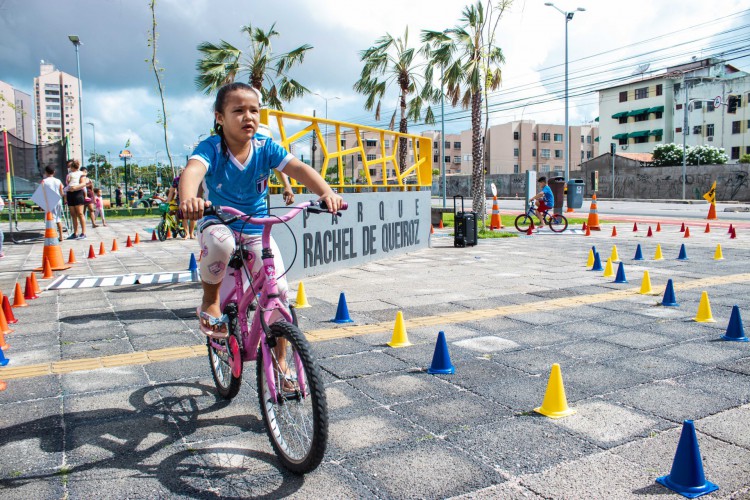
x: 487, y: 234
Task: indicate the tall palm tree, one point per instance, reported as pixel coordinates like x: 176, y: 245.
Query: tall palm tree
x: 470, y: 62
x: 391, y: 61
x: 222, y: 63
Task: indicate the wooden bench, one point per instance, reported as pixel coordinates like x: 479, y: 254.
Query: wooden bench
x: 436, y: 214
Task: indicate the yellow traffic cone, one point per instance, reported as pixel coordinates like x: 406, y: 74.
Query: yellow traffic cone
x: 555, y: 404
x: 590, y: 262
x: 399, y: 338
x: 301, y: 301
x: 658, y: 255
x: 646, y: 284
x: 615, y: 257
x: 608, y: 272
x: 718, y: 255
x: 704, y: 310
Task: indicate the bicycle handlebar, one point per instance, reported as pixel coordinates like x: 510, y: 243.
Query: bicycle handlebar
x: 227, y: 215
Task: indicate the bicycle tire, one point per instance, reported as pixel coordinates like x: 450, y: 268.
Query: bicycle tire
x: 227, y: 384
x: 299, y: 451
x: 181, y: 232
x: 557, y: 223
x: 161, y: 231
x: 523, y: 222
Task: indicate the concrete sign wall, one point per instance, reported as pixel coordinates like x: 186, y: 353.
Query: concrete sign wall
x: 376, y: 226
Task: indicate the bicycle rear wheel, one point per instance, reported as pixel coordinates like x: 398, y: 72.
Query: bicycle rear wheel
x: 227, y: 383
x: 161, y: 230
x: 523, y: 222
x: 297, y: 423
x: 557, y: 223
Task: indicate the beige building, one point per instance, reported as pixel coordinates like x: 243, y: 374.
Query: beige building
x: 57, y: 112
x: 16, y: 112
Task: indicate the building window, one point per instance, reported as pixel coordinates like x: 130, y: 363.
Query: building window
x: 623, y: 141
x: 677, y: 86
x: 456, y: 159
x: 698, y: 105
x: 435, y: 159
x: 624, y: 96
x: 709, y: 106
x: 370, y: 157
x: 515, y: 152
x: 582, y: 139
x: 678, y: 130
x: 622, y: 120
x: 558, y: 153
x: 533, y: 136
x: 545, y: 136
x: 658, y: 115
x: 641, y: 93
x: 447, y: 145
x: 533, y: 153
x: 588, y: 139
x: 747, y: 150
x: 545, y: 153
x: 642, y: 139
x: 447, y: 159
x: 710, y: 129
x: 516, y: 169
x: 456, y: 145
x: 679, y: 106
x: 582, y: 155
x: 544, y: 168
x: 588, y: 155
x: 641, y: 118
x: 516, y: 136
x: 387, y: 143
x: 736, y: 153
x: 371, y: 143
x: 558, y: 137
x: 659, y: 89
x: 736, y: 127
x: 697, y: 129
x: 343, y: 143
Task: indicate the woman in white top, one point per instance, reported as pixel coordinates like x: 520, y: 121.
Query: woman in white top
x: 76, y: 184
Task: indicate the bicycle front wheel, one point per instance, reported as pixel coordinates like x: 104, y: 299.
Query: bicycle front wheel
x: 523, y: 222
x: 297, y: 422
x: 557, y: 223
x: 161, y: 231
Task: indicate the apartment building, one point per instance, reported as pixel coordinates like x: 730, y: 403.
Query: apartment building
x: 16, y: 112
x: 57, y: 112
x: 727, y: 126
x: 639, y: 114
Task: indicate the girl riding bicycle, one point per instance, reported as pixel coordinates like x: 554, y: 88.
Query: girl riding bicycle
x: 234, y: 166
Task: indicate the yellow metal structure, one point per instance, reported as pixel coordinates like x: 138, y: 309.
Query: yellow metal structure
x: 293, y: 129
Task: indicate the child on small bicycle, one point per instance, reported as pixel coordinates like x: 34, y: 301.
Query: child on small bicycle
x: 545, y: 199
x: 234, y: 167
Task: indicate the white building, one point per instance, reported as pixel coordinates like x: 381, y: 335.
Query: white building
x: 16, y: 112
x: 57, y: 112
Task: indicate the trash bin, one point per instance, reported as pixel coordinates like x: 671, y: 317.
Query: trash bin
x: 465, y: 225
x: 575, y: 193
x: 557, y: 185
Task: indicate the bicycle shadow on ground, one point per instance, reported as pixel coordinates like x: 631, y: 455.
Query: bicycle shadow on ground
x: 136, y: 440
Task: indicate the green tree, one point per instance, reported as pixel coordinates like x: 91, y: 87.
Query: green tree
x: 667, y: 155
x: 391, y: 61
x: 223, y: 63
x: 162, y: 120
x: 470, y: 62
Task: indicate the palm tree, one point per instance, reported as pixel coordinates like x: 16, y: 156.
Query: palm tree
x: 470, y: 62
x: 222, y: 63
x: 391, y: 61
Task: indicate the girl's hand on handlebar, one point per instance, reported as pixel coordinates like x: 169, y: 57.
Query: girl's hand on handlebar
x: 192, y: 209
x: 333, y: 201
x: 288, y: 196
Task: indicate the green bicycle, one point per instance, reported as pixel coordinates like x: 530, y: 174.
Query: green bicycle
x: 169, y: 223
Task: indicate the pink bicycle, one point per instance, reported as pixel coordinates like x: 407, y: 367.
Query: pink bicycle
x: 290, y: 389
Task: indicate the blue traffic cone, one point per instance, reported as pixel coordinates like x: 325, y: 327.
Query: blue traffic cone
x: 3, y: 360
x: 193, y: 268
x: 669, y: 298
x: 638, y: 253
x: 687, y: 477
x: 342, y: 312
x: 735, y: 330
x: 597, y: 263
x: 441, y: 359
x: 620, y: 278
x: 683, y: 253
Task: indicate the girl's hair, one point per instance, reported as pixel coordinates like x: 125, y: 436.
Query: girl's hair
x: 98, y: 190
x: 221, y: 101
x: 73, y: 163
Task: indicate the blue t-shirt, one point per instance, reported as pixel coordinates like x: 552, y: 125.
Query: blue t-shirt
x: 549, y: 198
x: 242, y: 186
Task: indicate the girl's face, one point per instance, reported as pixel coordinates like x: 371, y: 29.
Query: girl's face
x: 240, y: 116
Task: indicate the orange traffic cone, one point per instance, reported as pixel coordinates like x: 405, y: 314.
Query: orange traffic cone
x: 48, y: 274
x: 129, y: 242
x: 495, y: 221
x: 708, y: 228
x: 72, y: 257
x: 585, y: 227
x: 440, y: 226
x: 593, y: 215
x: 687, y: 232
x: 3, y: 344
x: 92, y: 255
x: 137, y: 239
x: 28, y: 292
x: 4, y: 328
x: 34, y: 284
x: 153, y: 235
x: 8, y: 311
x: 734, y: 234
x: 52, y: 250
x: 114, y: 245
x: 432, y: 229
x: 101, y: 249
x: 650, y: 233
x: 614, y: 231
x: 658, y: 227
x: 588, y: 232
x: 18, y: 299
x: 635, y: 227
x: 712, y: 212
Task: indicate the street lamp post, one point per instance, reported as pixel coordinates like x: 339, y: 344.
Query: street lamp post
x: 568, y: 17
x: 96, y: 158
x: 442, y: 133
x: 76, y: 42
x: 326, y: 99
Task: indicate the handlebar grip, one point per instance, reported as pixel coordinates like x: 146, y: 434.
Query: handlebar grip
x: 344, y: 205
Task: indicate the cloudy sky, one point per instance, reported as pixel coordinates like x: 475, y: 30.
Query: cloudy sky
x: 610, y: 41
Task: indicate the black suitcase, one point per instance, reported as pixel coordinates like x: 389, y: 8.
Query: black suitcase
x: 465, y: 225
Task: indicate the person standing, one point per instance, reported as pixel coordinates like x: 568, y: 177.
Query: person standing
x: 75, y: 186
x: 88, y: 197
x: 118, y: 196
x: 55, y: 185
x: 99, y: 204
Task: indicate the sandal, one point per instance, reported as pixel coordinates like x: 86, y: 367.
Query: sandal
x: 211, y: 326
x: 289, y: 383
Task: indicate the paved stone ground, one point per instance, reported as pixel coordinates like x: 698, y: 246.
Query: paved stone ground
x: 633, y: 370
